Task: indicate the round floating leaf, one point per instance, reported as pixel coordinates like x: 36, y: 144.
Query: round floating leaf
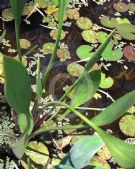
x: 84, y: 51
x: 109, y: 22
x: 131, y: 7
x: 129, y: 53
x: 63, y: 54
x: 75, y: 69
x: 120, y: 7
x: 37, y: 152
x: 127, y: 125
x: 112, y: 55
x: 106, y: 82
x: 25, y: 44
x: 122, y: 20
x: 104, y: 153
x: 84, y: 23
x: 127, y: 31
x: 101, y: 36
x: 48, y: 47
x: 73, y: 14
x: 99, y: 162
x: 89, y: 36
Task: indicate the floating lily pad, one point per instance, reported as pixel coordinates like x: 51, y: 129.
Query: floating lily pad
x: 63, y: 54
x: 127, y: 125
x: 104, y: 153
x: 129, y: 53
x: 7, y: 14
x: 127, y: 31
x: 131, y: 7
x: 89, y: 36
x: 120, y: 7
x: 101, y: 36
x: 73, y: 14
x: 112, y: 55
x: 25, y: 44
x: 56, y: 16
x: 109, y: 22
x: 53, y: 34
x: 48, y: 47
x: 40, y: 154
x: 122, y: 20
x: 106, y: 82
x: 84, y: 23
x: 84, y: 51
x: 75, y: 69
x: 99, y: 162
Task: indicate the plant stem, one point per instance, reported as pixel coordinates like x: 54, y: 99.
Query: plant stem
x: 67, y: 127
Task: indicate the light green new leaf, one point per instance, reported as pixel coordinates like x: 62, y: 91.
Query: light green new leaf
x: 86, y: 88
x: 84, y: 150
x: 18, y: 90
x: 115, y: 110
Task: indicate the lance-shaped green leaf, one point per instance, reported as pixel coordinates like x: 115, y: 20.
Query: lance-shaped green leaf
x: 97, y: 55
x: 123, y: 153
x: 115, y: 110
x: 17, y: 9
x: 86, y: 88
x: 84, y: 150
x: 18, y: 90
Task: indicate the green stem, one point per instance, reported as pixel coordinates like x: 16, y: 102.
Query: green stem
x: 66, y: 127
x: 59, y: 31
x: 18, y: 42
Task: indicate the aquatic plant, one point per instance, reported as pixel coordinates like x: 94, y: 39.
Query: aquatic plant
x: 18, y: 93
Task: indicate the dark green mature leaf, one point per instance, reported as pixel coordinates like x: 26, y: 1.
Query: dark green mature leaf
x: 115, y: 110
x: 18, y: 89
x: 86, y: 88
x: 84, y: 150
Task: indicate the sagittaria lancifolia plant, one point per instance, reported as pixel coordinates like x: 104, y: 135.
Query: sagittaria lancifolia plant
x: 18, y: 93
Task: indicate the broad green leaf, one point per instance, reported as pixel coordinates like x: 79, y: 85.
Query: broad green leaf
x: 115, y: 110
x: 19, y: 147
x: 86, y: 88
x: 63, y: 167
x: 84, y: 150
x: 17, y: 9
x: 18, y: 89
